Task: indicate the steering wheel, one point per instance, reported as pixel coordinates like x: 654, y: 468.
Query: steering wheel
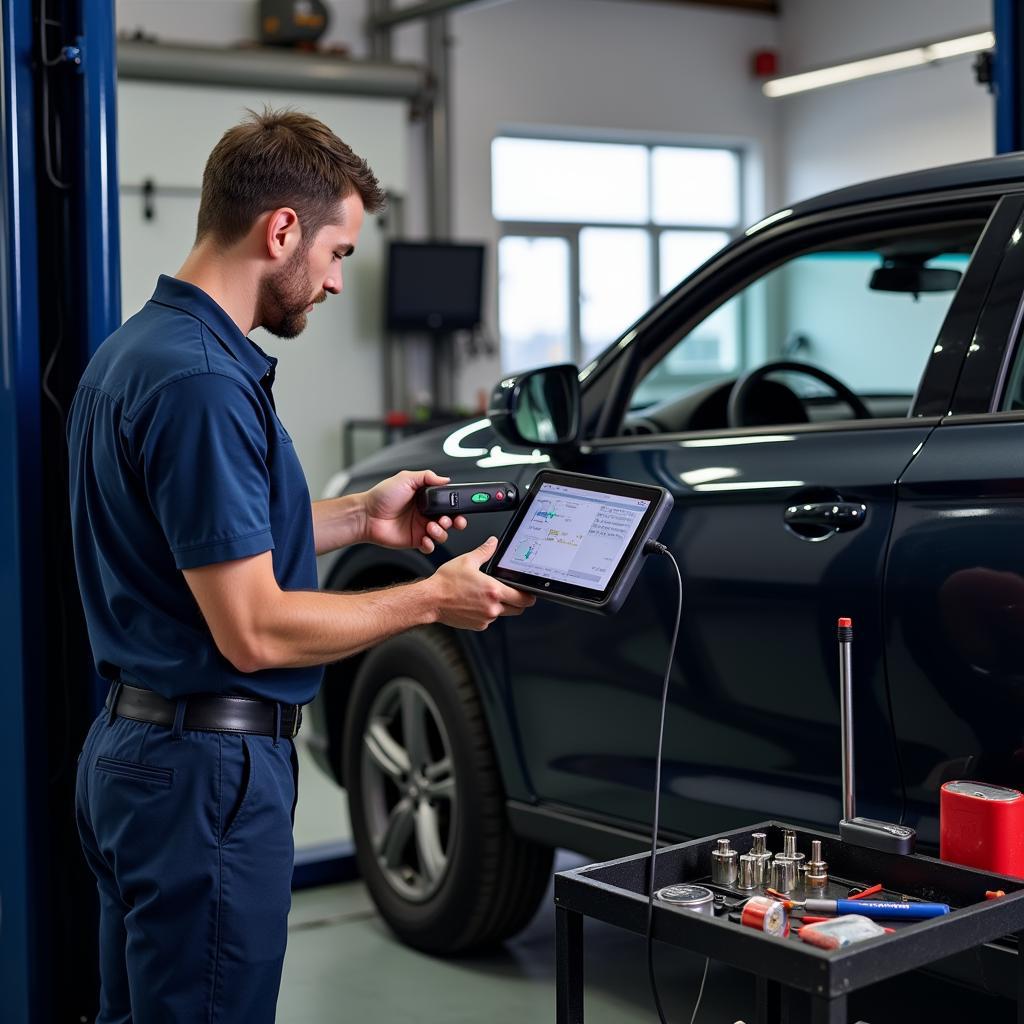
x: 739, y: 398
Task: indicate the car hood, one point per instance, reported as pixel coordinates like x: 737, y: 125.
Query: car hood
x: 458, y: 448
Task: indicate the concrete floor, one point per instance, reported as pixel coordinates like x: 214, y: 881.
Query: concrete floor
x: 344, y: 965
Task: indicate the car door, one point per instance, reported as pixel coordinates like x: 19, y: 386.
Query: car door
x: 954, y: 605
x: 753, y: 723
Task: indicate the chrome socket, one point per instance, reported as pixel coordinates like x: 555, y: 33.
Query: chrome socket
x: 783, y: 874
x: 749, y: 869
x: 789, y: 852
x: 817, y: 869
x: 762, y: 855
x: 724, y: 864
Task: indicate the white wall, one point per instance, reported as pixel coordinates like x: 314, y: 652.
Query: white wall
x: 886, y: 125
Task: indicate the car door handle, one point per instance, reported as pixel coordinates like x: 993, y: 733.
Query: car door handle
x: 831, y: 515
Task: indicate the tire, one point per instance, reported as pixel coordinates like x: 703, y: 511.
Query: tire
x: 434, y: 846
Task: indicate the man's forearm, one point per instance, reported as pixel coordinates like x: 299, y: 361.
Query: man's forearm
x: 338, y: 522
x: 302, y: 628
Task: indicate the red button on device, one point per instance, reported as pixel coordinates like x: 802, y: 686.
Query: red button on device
x: 500, y: 495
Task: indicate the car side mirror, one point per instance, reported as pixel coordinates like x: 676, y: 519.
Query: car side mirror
x: 539, y: 408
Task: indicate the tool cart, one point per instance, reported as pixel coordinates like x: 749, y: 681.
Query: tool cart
x: 796, y: 983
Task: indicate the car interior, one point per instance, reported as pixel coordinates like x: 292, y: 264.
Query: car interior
x: 833, y: 334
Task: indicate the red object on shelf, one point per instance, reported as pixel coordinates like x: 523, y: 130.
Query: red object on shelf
x: 982, y: 826
x: 765, y: 63
x: 766, y: 915
x: 864, y: 893
x: 397, y: 419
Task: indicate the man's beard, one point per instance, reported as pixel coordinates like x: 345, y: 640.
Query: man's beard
x: 284, y: 297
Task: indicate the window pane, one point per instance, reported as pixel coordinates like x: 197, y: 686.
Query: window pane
x: 832, y: 312
x: 533, y: 302
x: 696, y: 186
x: 544, y: 180
x: 836, y: 310
x: 709, y: 350
x: 615, y: 283
x: 682, y: 252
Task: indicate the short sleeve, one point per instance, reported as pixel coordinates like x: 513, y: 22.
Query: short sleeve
x: 201, y: 447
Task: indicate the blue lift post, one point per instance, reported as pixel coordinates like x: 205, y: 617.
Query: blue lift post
x: 36, y: 760
x: 22, y: 941
x: 1008, y: 75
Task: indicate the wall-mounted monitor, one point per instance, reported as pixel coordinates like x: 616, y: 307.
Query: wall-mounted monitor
x: 434, y: 286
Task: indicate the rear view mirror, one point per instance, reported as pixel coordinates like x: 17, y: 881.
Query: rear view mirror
x: 912, y: 277
x: 540, y: 408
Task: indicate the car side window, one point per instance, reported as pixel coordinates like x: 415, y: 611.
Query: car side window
x: 866, y: 312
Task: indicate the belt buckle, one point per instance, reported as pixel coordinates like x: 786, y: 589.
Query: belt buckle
x: 296, y: 721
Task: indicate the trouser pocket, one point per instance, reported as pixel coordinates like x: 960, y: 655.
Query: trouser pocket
x: 133, y: 770
x: 236, y: 764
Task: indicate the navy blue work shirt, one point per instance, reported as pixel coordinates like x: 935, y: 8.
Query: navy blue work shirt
x: 178, y: 460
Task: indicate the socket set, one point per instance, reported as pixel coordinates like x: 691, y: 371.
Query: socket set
x: 781, y: 893
x: 747, y: 876
x: 789, y: 871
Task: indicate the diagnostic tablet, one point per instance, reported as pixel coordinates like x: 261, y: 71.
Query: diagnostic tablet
x: 579, y: 539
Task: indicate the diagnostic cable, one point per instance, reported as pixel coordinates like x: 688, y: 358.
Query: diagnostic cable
x: 653, y: 547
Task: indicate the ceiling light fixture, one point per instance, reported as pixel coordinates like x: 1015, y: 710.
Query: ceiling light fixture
x: 900, y: 60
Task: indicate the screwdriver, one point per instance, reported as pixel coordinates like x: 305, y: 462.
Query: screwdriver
x: 880, y: 910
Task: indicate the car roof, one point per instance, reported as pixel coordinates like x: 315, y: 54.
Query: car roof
x: 1007, y: 169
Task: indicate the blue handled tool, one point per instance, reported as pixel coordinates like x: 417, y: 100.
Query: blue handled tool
x: 880, y: 910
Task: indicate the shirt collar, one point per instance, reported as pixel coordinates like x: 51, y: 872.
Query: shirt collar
x: 194, y: 301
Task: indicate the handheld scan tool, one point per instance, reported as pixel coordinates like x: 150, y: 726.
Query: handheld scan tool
x: 580, y: 540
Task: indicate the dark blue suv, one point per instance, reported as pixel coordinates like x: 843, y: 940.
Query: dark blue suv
x: 836, y: 402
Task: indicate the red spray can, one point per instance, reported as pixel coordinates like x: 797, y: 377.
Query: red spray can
x: 982, y: 826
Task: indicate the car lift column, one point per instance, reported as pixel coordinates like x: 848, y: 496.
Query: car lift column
x: 59, y: 297
x: 1008, y: 78
x: 22, y: 937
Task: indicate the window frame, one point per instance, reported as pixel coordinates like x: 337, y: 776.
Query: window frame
x: 997, y: 344
x: 727, y: 274
x: 570, y: 230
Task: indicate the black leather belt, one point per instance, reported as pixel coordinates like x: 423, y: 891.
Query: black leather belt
x: 208, y: 713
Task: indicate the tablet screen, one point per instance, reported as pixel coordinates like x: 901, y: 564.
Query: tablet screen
x: 573, y: 535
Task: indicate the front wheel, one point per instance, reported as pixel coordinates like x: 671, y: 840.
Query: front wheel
x: 426, y: 801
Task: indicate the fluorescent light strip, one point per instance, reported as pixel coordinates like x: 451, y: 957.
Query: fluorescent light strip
x: 881, y: 65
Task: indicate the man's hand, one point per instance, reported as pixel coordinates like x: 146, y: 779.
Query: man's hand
x: 391, y: 517
x: 469, y: 599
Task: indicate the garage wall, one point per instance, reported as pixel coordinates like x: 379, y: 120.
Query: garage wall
x: 885, y: 125
x: 224, y: 22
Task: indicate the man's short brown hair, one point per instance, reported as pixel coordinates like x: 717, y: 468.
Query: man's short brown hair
x: 280, y: 158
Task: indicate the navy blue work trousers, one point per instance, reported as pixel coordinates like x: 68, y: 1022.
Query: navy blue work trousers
x: 189, y: 835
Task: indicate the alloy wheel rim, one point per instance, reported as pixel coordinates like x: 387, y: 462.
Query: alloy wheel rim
x: 408, y: 789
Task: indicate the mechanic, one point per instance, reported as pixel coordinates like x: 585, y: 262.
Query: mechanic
x: 195, y: 544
